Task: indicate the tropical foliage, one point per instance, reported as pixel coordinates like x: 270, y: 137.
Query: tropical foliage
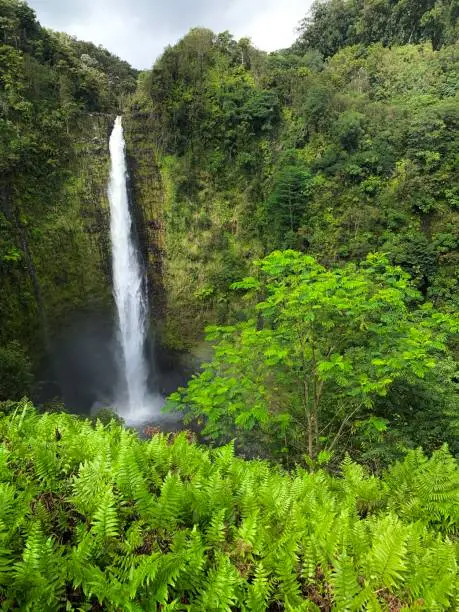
x: 334, y: 24
x: 336, y: 156
x: 343, y: 146
x: 92, y: 517
x: 318, y: 347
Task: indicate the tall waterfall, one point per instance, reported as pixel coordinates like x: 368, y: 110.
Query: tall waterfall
x: 128, y: 288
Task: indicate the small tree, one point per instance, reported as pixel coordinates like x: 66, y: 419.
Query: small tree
x: 318, y: 348
x: 288, y: 203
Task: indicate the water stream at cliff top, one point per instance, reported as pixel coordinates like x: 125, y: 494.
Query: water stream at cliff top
x: 133, y: 401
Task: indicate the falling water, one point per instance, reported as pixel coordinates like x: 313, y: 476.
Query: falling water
x: 128, y: 289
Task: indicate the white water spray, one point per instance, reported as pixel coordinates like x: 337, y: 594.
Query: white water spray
x: 132, y: 402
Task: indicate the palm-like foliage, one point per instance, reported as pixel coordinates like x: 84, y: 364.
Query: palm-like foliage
x: 93, y: 516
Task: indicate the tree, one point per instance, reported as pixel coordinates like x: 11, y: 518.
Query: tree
x: 287, y: 203
x: 349, y: 129
x: 318, y: 348
x: 329, y: 26
x: 334, y: 24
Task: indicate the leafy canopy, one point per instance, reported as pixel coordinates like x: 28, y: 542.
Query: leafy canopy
x: 317, y: 348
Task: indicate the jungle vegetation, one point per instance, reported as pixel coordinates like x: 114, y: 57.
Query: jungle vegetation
x: 308, y: 217
x: 348, y: 157
x: 93, y: 518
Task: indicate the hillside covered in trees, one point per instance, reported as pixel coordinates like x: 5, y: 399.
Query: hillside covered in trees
x: 337, y: 156
x: 297, y: 214
x: 334, y: 156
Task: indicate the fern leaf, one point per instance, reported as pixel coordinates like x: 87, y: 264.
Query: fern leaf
x: 215, y: 533
x: 259, y: 590
x: 344, y: 583
x: 105, y: 522
x: 387, y: 558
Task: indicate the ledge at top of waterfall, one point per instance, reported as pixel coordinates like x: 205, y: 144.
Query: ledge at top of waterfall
x: 132, y: 399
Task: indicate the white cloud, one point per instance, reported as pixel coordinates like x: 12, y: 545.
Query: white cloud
x: 138, y: 30
x: 274, y: 25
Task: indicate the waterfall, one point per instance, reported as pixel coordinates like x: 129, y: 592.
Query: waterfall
x: 132, y: 402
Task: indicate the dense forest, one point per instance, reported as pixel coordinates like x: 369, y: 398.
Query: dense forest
x: 297, y: 213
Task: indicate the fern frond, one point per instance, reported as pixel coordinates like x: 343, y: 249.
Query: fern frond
x: 386, y: 561
x: 218, y: 591
x: 247, y: 533
x: 144, y: 573
x: 344, y: 583
x: 105, y: 522
x: 215, y: 533
x: 168, y: 506
x: 90, y: 484
x: 259, y: 591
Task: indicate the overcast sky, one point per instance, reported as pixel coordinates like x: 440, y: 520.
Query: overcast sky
x: 138, y: 30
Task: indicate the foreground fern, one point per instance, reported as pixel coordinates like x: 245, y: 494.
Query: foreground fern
x: 94, y: 517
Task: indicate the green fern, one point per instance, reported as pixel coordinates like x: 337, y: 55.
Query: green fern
x: 39, y: 576
x: 344, y: 583
x: 427, y: 489
x: 215, y: 533
x: 387, y: 558
x: 98, y: 515
x: 91, y: 482
x: 105, y: 522
x: 218, y: 591
x: 260, y: 589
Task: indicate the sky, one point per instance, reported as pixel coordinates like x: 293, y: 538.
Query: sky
x: 138, y: 30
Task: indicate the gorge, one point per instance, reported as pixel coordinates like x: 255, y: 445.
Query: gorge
x: 260, y: 250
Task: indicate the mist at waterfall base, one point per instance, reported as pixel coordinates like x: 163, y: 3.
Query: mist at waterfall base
x: 85, y: 369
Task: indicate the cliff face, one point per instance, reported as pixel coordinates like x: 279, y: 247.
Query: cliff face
x: 152, y: 195
x: 58, y: 238
x: 79, y: 231
x: 147, y: 203
x: 191, y: 242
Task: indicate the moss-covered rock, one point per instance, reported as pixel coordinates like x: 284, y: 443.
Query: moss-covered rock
x: 60, y: 233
